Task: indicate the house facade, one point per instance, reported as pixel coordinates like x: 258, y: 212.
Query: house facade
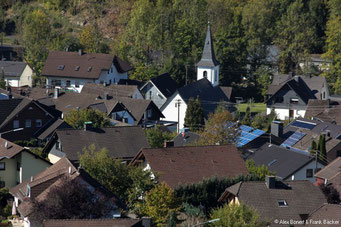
x: 159, y: 89
x: 18, y: 164
x: 24, y: 119
x: 17, y: 74
x: 71, y: 70
x: 289, y: 95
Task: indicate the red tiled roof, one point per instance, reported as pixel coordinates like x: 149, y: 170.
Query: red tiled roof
x: 191, y: 164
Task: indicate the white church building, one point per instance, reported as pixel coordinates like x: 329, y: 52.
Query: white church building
x: 206, y: 88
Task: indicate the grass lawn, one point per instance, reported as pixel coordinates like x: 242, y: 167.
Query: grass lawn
x: 255, y: 108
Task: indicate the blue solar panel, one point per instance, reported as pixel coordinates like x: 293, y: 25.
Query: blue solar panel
x: 246, y: 128
x: 248, y: 134
x: 293, y: 139
x: 303, y: 124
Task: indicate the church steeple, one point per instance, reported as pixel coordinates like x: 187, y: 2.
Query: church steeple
x: 208, y: 66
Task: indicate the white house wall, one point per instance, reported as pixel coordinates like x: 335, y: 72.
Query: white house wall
x: 73, y: 81
x: 171, y: 112
x: 301, y: 174
x: 12, y: 81
x: 26, y: 77
x: 283, y: 114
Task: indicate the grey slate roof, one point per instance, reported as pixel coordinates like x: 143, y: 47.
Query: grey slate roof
x: 332, y: 170
x: 287, y: 161
x: 326, y: 212
x: 187, y: 138
x: 12, y: 68
x: 121, y: 142
x: 302, y: 197
x: 56, y: 125
x: 311, y: 85
x: 209, y: 96
x: 113, y: 90
x: 166, y: 85
x: 208, y: 58
x: 6, y: 107
x: 118, y: 222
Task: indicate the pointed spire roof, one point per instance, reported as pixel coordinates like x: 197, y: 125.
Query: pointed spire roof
x: 208, y: 57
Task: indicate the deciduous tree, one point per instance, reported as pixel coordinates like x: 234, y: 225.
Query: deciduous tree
x: 77, y: 118
x: 237, y: 215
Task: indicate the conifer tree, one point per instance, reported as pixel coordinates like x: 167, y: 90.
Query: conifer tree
x: 194, y: 118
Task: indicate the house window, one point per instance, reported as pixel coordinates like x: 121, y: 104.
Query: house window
x: 28, y: 123
x: 16, y: 124
x: 215, y: 76
x: 149, y: 113
x: 150, y: 94
x: 294, y: 101
x: 278, y: 99
x: 58, y: 146
x: 38, y: 123
x: 2, y: 166
x: 18, y: 166
x: 309, y: 173
x: 68, y: 83
x: 205, y: 74
x: 76, y: 84
x: 338, y: 154
x: 56, y: 82
x: 324, y: 95
x: 282, y: 203
x: 125, y: 120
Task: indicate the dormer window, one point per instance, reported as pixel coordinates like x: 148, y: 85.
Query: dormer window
x: 89, y: 69
x: 61, y: 67
x: 282, y: 203
x: 77, y: 68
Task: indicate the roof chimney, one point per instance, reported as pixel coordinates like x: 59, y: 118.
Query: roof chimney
x: 277, y: 128
x: 70, y: 169
x: 168, y: 144
x: 296, y: 78
x: 56, y: 93
x: 31, y: 178
x: 6, y: 145
x: 106, y: 96
x: 80, y: 52
x: 270, y: 182
x: 87, y: 125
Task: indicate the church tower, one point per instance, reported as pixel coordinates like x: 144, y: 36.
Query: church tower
x: 208, y: 66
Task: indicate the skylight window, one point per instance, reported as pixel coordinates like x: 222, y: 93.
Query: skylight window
x: 77, y: 68
x: 89, y: 69
x: 282, y: 203
x: 272, y: 162
x: 61, y: 67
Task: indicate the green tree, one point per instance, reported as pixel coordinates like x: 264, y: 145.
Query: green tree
x: 161, y: 203
x: 263, y: 77
x: 259, y: 171
x: 313, y: 148
x: 35, y: 37
x: 322, y: 148
x: 218, y: 129
x: 77, y: 118
x: 156, y: 137
x: 333, y: 46
x: 2, y: 80
x: 130, y: 183
x: 90, y: 38
x: 247, y: 118
x: 237, y: 215
x: 194, y: 118
x: 296, y: 37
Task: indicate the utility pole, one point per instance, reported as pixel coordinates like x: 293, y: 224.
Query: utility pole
x: 177, y: 104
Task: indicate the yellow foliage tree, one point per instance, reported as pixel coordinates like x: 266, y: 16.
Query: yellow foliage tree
x: 161, y: 203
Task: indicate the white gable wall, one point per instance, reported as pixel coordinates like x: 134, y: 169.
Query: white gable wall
x: 301, y: 174
x: 26, y: 77
x: 171, y: 112
x: 283, y: 114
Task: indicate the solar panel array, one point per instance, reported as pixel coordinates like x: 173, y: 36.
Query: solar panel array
x: 293, y: 139
x: 248, y: 134
x: 303, y: 124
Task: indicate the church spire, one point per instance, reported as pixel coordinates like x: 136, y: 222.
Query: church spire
x: 208, y: 57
